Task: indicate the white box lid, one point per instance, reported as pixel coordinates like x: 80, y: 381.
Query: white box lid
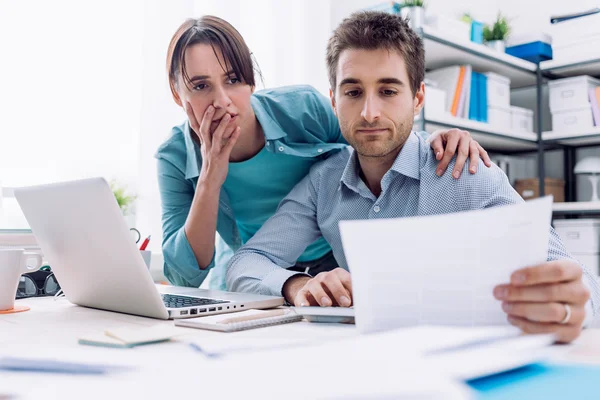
x: 572, y: 80
x: 521, y: 110
x: 579, y: 222
x: 587, y: 107
x: 497, y: 77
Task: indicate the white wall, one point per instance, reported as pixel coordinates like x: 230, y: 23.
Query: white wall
x: 70, y: 90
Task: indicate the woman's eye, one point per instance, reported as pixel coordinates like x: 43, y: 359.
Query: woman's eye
x: 233, y: 80
x: 200, y: 86
x: 353, y: 93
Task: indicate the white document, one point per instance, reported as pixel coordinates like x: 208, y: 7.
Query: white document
x: 441, y: 270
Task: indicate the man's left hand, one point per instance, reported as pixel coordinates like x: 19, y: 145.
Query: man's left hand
x: 537, y: 299
x: 448, y: 143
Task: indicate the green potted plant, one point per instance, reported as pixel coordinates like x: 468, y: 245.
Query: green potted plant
x: 124, y: 199
x: 414, y: 11
x: 496, y: 35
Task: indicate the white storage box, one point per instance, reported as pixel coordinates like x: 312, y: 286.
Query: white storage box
x: 499, y: 118
x: 581, y: 238
x: 574, y: 120
x: 435, y: 101
x: 579, y: 235
x: 449, y: 26
x: 521, y: 119
x: 582, y: 49
x: 498, y: 90
x: 571, y: 93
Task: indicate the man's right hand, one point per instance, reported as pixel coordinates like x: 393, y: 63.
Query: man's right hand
x: 333, y: 288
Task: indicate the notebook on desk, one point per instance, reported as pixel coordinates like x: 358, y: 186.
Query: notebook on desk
x: 240, y: 321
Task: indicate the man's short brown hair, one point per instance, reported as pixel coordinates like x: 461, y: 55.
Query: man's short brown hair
x: 372, y: 30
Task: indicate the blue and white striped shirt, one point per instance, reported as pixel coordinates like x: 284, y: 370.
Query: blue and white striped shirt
x: 333, y: 191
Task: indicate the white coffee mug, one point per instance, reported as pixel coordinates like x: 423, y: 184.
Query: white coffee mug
x: 13, y: 263
x: 147, y: 256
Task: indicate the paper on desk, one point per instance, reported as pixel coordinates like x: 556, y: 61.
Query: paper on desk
x: 441, y: 270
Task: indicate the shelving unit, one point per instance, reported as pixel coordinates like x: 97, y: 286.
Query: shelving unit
x: 489, y: 137
x: 578, y: 208
x: 571, y: 141
x: 442, y: 50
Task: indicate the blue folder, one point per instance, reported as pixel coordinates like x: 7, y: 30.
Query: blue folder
x: 483, y: 98
x: 474, y: 97
x: 541, y: 381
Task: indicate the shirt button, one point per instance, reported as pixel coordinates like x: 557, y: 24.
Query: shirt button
x: 319, y: 150
x: 376, y: 209
x: 280, y: 148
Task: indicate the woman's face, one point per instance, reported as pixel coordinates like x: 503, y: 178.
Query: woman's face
x: 211, y: 85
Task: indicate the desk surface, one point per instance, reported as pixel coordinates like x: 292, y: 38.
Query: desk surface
x: 51, y: 329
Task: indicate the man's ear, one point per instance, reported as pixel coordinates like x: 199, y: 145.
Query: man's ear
x: 419, y: 100
x: 332, y: 97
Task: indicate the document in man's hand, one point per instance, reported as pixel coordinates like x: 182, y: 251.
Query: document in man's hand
x: 441, y: 270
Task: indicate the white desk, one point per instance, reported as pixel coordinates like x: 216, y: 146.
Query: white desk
x: 172, y: 369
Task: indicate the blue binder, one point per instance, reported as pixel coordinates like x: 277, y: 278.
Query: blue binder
x: 474, y: 103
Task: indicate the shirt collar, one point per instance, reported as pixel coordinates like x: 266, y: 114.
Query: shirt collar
x: 271, y: 128
x: 407, y: 163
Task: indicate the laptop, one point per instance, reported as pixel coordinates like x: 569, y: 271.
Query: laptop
x: 85, y: 239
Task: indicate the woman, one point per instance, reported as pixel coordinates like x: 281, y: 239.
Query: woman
x: 228, y: 167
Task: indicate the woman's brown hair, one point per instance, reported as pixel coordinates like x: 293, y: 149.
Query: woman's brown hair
x: 222, y: 37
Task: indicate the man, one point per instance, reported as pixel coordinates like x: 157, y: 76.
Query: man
x: 376, y: 67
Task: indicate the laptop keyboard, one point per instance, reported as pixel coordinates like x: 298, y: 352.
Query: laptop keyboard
x: 176, y: 301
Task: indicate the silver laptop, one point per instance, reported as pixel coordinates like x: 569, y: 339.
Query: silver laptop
x: 86, y: 241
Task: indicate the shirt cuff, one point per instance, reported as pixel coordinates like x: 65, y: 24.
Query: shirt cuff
x: 274, y: 281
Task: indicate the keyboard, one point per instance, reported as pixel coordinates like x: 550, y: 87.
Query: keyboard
x: 176, y: 301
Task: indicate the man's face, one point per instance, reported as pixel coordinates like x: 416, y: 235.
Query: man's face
x: 373, y: 100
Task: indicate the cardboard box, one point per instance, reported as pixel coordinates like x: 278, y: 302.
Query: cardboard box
x: 530, y: 188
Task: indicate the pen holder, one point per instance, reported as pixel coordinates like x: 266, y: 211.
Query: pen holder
x: 147, y: 256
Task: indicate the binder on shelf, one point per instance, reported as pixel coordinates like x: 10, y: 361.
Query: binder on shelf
x: 593, y: 94
x: 465, y: 94
x: 483, y: 98
x: 447, y: 80
x: 458, y: 91
x: 474, y: 93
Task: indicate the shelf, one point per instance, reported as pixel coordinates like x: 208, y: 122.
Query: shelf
x: 588, y: 138
x: 441, y: 52
x: 576, y: 208
x: 490, y: 138
x: 582, y: 66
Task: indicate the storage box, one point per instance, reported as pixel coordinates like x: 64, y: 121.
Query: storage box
x: 530, y: 188
x: 499, y: 118
x: 449, y: 26
x: 498, y: 90
x: 581, y: 238
x: 535, y: 52
x: 477, y: 32
x: 583, y: 49
x: 571, y: 93
x: 574, y: 120
x: 435, y: 101
x: 521, y: 119
x: 579, y: 235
